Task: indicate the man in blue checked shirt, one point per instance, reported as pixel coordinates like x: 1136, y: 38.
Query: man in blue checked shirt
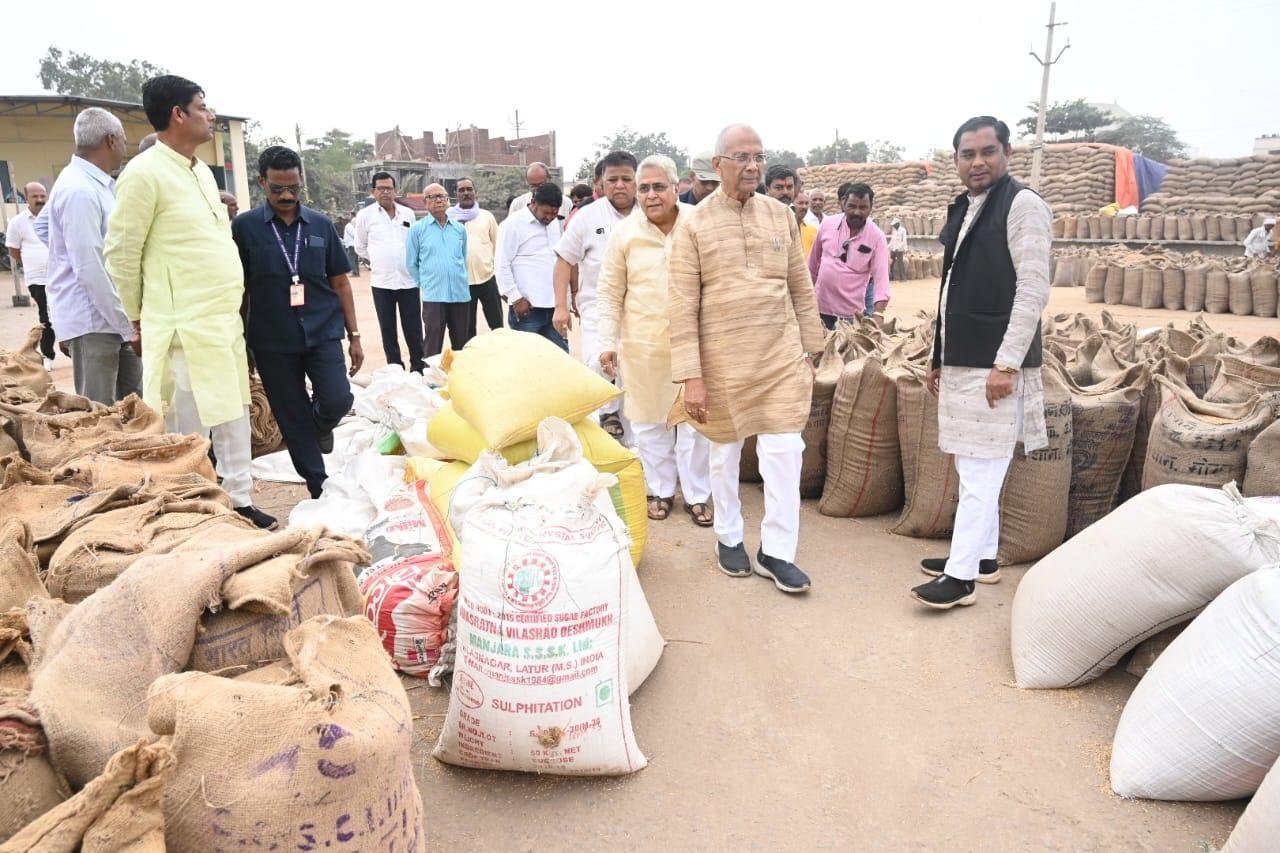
x: 436, y: 256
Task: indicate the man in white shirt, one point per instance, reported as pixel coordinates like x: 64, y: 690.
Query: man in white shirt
x: 583, y: 245
x: 26, y: 249
x: 535, y: 176
x: 1258, y: 243
x: 897, y: 251
x: 817, y: 204
x: 482, y: 242
x: 526, y: 264
x: 381, y: 230
x: 84, y: 304
x: 348, y: 226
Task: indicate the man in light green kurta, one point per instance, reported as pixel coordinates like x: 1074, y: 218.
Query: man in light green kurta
x: 170, y: 252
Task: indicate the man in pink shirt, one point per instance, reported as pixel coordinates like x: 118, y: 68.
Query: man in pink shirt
x: 849, y: 256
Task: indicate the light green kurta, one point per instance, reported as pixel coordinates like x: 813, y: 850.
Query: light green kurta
x: 170, y: 252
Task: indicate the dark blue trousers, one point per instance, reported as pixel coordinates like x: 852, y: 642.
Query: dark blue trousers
x: 303, y: 416
x: 538, y: 321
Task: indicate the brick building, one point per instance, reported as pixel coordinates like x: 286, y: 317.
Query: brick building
x: 470, y: 145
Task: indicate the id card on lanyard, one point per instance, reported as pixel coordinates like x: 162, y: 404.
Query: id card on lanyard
x: 297, y: 291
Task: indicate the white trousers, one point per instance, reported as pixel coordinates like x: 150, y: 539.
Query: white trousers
x: 780, y: 456
x: 977, y: 528
x: 232, y: 441
x: 589, y: 341
x: 668, y: 454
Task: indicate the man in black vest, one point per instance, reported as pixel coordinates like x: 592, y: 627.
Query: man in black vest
x: 986, y: 349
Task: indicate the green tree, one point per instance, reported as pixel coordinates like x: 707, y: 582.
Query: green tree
x: 783, y: 157
x: 254, y: 144
x: 328, y: 160
x: 1066, y: 120
x: 840, y: 151
x: 639, y: 144
x: 88, y: 76
x: 1150, y: 136
x: 883, y: 151
x: 494, y: 188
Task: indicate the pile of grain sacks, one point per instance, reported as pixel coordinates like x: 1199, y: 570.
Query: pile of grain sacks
x: 1237, y: 185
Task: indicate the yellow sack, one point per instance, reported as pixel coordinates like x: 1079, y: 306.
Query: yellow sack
x: 418, y: 468
x: 505, y: 382
x: 440, y: 486
x: 452, y: 435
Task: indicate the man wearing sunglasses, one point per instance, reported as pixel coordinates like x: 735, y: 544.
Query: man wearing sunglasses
x: 744, y: 334
x: 849, y: 257
x: 170, y: 252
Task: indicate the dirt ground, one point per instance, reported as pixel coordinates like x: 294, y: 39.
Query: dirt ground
x: 846, y: 719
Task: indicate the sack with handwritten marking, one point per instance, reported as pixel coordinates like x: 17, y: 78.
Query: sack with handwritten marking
x: 1199, y: 443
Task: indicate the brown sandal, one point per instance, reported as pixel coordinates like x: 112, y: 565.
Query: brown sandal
x: 700, y: 513
x: 659, y: 508
x: 612, y: 424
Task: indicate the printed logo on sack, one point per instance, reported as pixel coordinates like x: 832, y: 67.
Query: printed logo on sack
x: 467, y: 690
x: 532, y: 581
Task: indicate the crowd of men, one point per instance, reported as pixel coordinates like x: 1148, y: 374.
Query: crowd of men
x: 703, y: 296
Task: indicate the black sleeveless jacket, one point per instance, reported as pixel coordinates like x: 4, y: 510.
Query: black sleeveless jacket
x: 983, y: 283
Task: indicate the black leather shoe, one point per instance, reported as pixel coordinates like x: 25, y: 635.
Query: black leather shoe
x: 734, y: 561
x: 945, y: 592
x: 258, y: 517
x: 988, y: 570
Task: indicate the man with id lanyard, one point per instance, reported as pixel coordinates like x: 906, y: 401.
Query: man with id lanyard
x: 300, y: 308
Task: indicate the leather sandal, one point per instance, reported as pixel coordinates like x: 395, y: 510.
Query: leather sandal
x: 700, y: 513
x: 659, y: 508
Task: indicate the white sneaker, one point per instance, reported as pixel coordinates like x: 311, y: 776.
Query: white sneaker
x: 48, y: 364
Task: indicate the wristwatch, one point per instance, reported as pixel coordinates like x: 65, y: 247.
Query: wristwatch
x: 1003, y: 369
x: 353, y: 334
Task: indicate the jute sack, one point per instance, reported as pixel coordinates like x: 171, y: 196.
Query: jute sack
x: 1113, y: 286
x: 1064, y: 275
x: 19, y: 569
x: 137, y: 459
x: 864, y: 461
x: 1237, y: 380
x: 1166, y: 553
x: 1104, y: 421
x: 29, y: 784
x: 1152, y: 287
x: 1198, y: 443
x: 265, y: 436
x: 1262, y: 471
x: 1096, y: 283
x: 930, y: 484
x: 51, y: 440
x: 1239, y: 294
x: 1262, y: 282
x: 92, y: 675
x: 1033, y: 516
x: 1259, y: 826
x: 98, y: 551
x: 1203, y: 364
x: 1132, y: 295
x: 320, y: 751
x: 259, y: 605
x: 1173, y: 287
x: 1204, y: 723
x: 813, y: 467
x: 117, y: 810
x: 16, y: 654
x: 1193, y: 295
x: 1217, y: 297
x: 25, y: 366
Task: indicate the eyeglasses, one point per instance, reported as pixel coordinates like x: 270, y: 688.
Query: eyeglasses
x: 384, y: 189
x: 744, y: 159
x: 276, y: 189
x: 437, y: 197
x: 644, y: 189
x: 844, y: 252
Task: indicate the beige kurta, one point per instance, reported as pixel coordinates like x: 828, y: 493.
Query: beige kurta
x: 743, y: 315
x: 631, y: 297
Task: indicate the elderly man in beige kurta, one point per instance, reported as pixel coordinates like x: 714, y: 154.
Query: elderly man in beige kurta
x: 744, y: 332
x: 635, y: 341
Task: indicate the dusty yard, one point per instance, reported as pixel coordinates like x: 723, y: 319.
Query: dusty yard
x: 847, y: 719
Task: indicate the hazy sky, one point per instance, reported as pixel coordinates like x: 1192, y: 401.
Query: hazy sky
x: 901, y: 71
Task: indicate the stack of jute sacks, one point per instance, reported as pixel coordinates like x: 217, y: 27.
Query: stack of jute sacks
x: 1199, y: 533
x: 1159, y: 278
x: 1237, y: 185
x: 170, y: 674
x: 1179, y: 224
x: 501, y: 386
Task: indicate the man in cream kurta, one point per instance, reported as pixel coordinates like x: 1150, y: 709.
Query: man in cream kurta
x: 170, y: 252
x: 987, y: 378
x: 744, y: 333
x: 635, y: 333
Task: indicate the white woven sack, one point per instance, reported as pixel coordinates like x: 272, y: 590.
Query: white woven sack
x: 1155, y: 561
x: 1204, y: 723
x: 1259, y: 826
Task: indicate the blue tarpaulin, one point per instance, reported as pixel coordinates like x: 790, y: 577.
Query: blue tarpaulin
x: 1150, y: 174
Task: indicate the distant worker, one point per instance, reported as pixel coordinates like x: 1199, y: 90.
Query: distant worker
x: 897, y: 250
x: 297, y: 324
x: 84, y: 303
x: 482, y: 244
x: 703, y: 179
x: 686, y: 183
x: 526, y: 263
x: 850, y: 258
x: 808, y: 231
x: 780, y: 182
x: 381, y: 231
x: 27, y: 249
x: 581, y: 195
x: 1258, y: 243
x: 635, y: 338
x: 986, y: 360
x: 817, y: 207
x: 347, y: 225
x: 535, y: 176
x: 146, y: 142
x: 744, y: 336
x: 182, y: 284
x: 436, y: 255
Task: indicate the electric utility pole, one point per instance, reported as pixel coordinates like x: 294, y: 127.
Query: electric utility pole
x: 1037, y: 147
